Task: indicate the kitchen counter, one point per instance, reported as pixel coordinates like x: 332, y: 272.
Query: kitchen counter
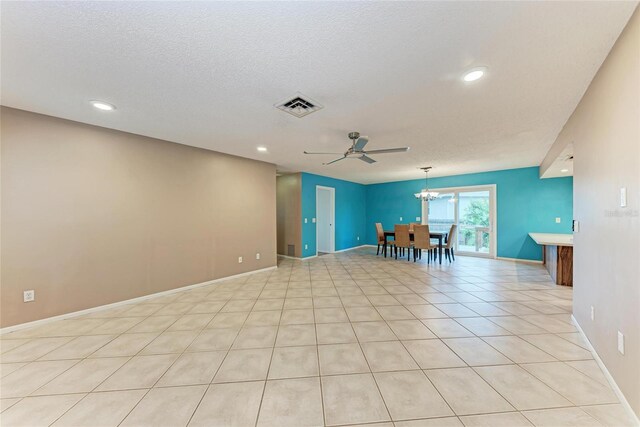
x: 552, y: 239
x: 557, y: 250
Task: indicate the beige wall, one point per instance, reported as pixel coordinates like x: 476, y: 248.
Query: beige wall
x: 605, y: 131
x: 289, y: 207
x: 92, y: 216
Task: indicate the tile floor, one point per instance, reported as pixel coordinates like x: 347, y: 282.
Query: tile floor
x: 345, y: 339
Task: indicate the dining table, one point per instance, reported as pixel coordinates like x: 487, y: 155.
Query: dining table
x: 442, y: 237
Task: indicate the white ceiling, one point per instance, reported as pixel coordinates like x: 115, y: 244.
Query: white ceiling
x: 207, y: 74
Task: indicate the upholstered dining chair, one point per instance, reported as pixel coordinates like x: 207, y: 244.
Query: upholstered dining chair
x: 448, y: 248
x: 380, y: 234
x: 422, y: 241
x: 402, y: 239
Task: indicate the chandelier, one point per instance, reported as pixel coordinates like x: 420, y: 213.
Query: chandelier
x: 425, y: 194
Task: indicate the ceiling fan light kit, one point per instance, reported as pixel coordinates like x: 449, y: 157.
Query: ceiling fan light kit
x: 356, y: 151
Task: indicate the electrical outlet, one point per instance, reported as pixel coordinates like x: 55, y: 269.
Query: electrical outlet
x: 400, y: 218
x: 358, y: 238
x: 305, y: 220
x: 593, y: 313
x: 239, y: 260
x: 417, y: 218
x: 29, y: 295
x: 620, y: 342
x: 558, y: 220
x: 257, y: 255
x: 306, y: 247
x: 313, y: 220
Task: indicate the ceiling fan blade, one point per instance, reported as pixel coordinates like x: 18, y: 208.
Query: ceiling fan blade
x: 388, y: 150
x: 360, y: 143
x: 333, y: 161
x: 312, y: 152
x: 366, y: 159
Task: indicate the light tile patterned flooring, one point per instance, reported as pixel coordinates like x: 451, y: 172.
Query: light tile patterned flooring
x: 343, y: 339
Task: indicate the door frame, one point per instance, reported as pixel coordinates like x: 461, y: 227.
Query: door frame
x: 493, y: 214
x: 332, y: 224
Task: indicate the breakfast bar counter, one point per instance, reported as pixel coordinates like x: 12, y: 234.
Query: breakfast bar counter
x: 557, y: 250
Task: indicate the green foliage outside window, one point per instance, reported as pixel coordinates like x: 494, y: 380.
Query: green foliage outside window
x: 476, y: 214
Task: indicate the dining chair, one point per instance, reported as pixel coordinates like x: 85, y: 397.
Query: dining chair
x: 402, y: 239
x: 422, y: 241
x: 448, y: 247
x: 411, y: 224
x: 380, y: 235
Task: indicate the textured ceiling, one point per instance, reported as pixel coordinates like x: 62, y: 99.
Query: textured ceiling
x: 207, y: 74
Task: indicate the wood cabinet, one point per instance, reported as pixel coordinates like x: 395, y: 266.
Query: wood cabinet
x: 559, y: 263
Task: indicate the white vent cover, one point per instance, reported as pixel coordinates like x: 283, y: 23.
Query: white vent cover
x: 299, y: 105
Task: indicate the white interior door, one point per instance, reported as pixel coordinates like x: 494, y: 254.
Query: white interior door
x: 325, y: 219
x: 473, y: 210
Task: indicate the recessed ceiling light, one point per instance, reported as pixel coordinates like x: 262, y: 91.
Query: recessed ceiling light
x: 564, y: 170
x: 474, y: 74
x: 104, y: 106
x: 262, y: 149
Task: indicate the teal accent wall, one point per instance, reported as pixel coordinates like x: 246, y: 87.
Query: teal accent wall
x: 350, y: 212
x: 525, y: 204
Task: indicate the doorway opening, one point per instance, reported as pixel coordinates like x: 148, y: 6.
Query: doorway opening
x: 473, y: 211
x: 325, y: 219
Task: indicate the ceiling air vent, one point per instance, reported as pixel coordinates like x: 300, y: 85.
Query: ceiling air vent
x: 299, y: 105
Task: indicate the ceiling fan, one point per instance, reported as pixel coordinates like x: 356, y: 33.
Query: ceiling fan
x: 356, y: 151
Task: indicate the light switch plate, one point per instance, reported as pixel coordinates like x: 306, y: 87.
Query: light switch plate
x: 257, y: 255
x: 305, y: 220
x: 417, y: 218
x: 623, y: 197
x: 620, y: 342
x: 239, y: 260
x: 558, y: 220
x: 576, y: 226
x: 400, y: 218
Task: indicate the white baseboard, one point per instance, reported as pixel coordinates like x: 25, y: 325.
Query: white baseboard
x: 612, y: 382
x: 334, y: 252
x: 528, y: 261
x: 125, y: 302
x: 350, y: 249
x: 297, y: 258
x: 288, y: 257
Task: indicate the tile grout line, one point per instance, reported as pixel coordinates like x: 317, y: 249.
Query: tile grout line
x: 348, y: 264
x: 219, y: 366
x: 131, y: 358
